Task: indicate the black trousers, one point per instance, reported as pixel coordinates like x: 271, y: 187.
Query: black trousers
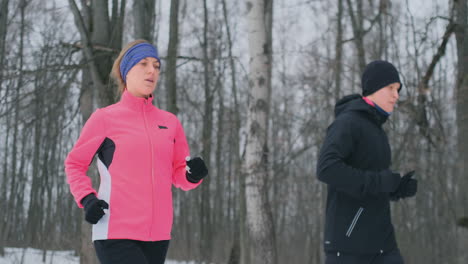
x: 125, y: 251
x: 392, y: 257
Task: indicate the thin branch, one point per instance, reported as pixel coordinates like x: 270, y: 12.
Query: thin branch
x: 93, y: 46
x: 424, y: 84
x: 364, y: 32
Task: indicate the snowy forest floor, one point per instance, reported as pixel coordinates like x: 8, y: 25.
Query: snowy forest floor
x: 34, y: 256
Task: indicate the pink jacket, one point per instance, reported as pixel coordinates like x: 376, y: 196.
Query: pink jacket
x: 141, y: 152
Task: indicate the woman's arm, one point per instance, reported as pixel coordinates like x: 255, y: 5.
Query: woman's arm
x: 82, y: 154
x: 181, y: 151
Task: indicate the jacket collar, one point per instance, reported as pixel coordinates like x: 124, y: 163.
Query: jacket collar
x: 378, y: 114
x: 357, y: 103
x: 137, y: 103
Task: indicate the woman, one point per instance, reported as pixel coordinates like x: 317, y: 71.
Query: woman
x: 141, y: 151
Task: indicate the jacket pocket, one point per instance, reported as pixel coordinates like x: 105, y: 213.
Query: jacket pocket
x: 354, y: 222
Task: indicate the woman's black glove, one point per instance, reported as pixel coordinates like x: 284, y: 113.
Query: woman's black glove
x: 94, y: 208
x: 196, y: 170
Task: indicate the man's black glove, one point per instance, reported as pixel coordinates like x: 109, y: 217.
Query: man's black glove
x: 94, y: 208
x: 196, y: 170
x: 389, y: 181
x: 407, y: 187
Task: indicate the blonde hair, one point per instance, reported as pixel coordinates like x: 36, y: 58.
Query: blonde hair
x: 115, y: 73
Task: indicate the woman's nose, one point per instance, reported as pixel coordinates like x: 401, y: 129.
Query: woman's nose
x: 150, y: 69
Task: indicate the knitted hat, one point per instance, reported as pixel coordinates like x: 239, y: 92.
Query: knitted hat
x: 377, y: 75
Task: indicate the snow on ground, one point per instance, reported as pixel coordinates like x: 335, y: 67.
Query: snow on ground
x: 30, y: 256
x: 34, y: 256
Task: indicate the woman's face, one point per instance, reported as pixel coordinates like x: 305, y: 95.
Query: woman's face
x: 386, y: 97
x: 143, y: 77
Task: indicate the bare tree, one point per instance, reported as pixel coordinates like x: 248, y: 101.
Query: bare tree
x: 461, y: 35
x: 106, y: 32
x: 3, y: 32
x: 144, y: 17
x: 239, y: 229
x: 338, y: 49
x: 171, y: 69
x: 14, y: 198
x: 357, y: 17
x: 259, y: 218
x: 206, y: 212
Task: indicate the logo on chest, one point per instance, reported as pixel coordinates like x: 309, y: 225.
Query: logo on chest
x: 165, y: 134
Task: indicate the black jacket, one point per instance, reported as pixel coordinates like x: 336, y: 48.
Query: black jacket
x: 353, y: 162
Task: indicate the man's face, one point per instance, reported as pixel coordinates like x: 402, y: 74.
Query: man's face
x: 386, y: 97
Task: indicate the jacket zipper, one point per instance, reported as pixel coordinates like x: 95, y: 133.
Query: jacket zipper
x: 151, y: 166
x: 353, y: 223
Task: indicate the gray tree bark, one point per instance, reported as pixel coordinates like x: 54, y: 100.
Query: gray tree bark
x: 357, y: 21
x: 172, y: 49
x: 338, y: 49
x: 236, y: 252
x: 15, y: 183
x: 206, y: 212
x: 143, y: 15
x: 461, y: 35
x: 259, y: 218
x: 3, y: 33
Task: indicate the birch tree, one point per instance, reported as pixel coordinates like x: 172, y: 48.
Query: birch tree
x: 259, y: 218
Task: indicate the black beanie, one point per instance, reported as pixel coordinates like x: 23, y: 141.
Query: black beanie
x: 377, y: 75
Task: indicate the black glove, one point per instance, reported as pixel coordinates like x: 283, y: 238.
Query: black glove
x: 196, y: 170
x: 407, y: 187
x: 389, y: 181
x: 94, y: 208
x: 463, y: 222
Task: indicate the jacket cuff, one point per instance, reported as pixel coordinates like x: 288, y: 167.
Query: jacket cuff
x: 190, y: 179
x: 87, y: 198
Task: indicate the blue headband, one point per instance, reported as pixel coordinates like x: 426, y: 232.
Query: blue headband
x: 136, y: 54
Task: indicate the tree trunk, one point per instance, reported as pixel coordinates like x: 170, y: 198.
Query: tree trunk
x: 338, y: 49
x: 259, y: 219
x: 143, y: 14
x: 357, y: 21
x: 3, y: 181
x: 236, y: 253
x: 3, y: 33
x: 218, y: 218
x: 206, y: 225
x: 83, y: 24
x: 461, y: 34
x: 171, y: 69
x: 15, y: 183
x: 33, y: 225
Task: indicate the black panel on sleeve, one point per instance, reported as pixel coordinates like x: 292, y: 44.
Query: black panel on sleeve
x: 106, y: 151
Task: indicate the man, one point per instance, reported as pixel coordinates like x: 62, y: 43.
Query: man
x: 354, y: 162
